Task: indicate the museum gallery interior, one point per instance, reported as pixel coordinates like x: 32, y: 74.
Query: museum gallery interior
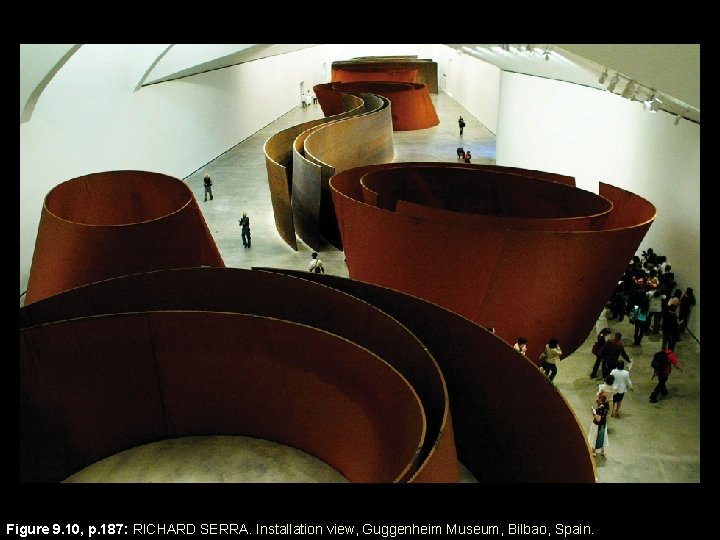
x: 156, y: 345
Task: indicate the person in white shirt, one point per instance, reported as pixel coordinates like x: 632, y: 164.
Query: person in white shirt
x: 608, y: 387
x: 316, y: 264
x: 622, y: 384
x: 656, y: 300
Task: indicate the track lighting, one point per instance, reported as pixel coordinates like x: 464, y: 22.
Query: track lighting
x: 602, y: 78
x: 647, y: 104
x: 652, y: 103
x: 629, y: 91
x: 613, y: 83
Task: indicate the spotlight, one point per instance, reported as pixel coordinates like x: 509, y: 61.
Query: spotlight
x: 602, y: 78
x: 629, y: 91
x: 647, y: 104
x: 613, y: 83
x: 651, y: 104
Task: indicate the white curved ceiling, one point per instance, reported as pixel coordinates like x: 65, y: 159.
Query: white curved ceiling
x: 672, y: 70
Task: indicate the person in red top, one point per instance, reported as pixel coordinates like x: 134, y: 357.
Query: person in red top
x: 663, y: 374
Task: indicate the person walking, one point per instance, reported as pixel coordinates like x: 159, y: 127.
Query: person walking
x: 207, y: 182
x: 316, y: 264
x: 607, y: 387
x: 640, y: 314
x: 622, y: 383
x: 597, y: 434
x: 687, y: 301
x: 461, y: 124
x: 599, y: 344
x: 610, y: 353
x: 662, y: 364
x: 656, y: 309
x: 553, y: 354
x: 245, y: 229
x: 670, y: 324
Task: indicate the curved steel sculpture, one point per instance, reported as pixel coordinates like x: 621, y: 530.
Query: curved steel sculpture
x: 528, y: 256
x: 278, y: 151
x: 374, y: 74
x: 367, y: 66
x: 92, y: 387
x: 108, y: 224
x: 301, y: 160
x: 412, y: 107
x: 491, y: 387
x: 185, y: 384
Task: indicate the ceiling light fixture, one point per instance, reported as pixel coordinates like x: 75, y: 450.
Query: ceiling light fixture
x: 652, y: 103
x: 629, y: 91
x: 602, y: 78
x: 648, y: 102
x: 613, y: 83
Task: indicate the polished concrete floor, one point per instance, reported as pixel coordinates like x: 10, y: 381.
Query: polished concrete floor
x: 648, y: 443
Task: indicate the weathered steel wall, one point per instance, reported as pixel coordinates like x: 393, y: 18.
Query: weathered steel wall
x: 493, y: 262
x: 114, y: 223
x: 92, y: 387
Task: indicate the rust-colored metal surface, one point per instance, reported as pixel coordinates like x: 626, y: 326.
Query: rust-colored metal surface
x: 307, y: 194
x: 282, y: 297
x: 493, y: 390
x: 93, y: 387
x: 114, y: 223
x: 279, y: 164
x: 321, y: 152
x: 374, y: 74
x: 411, y: 109
x: 278, y: 151
x: 523, y: 275
x: 359, y: 140
x: 427, y: 69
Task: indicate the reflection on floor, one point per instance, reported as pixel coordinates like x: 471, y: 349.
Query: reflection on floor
x: 648, y: 443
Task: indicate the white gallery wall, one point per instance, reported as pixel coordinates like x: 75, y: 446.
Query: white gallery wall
x: 89, y: 119
x: 595, y: 136
x: 474, y: 84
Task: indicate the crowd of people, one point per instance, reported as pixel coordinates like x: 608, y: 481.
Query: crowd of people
x: 648, y: 295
